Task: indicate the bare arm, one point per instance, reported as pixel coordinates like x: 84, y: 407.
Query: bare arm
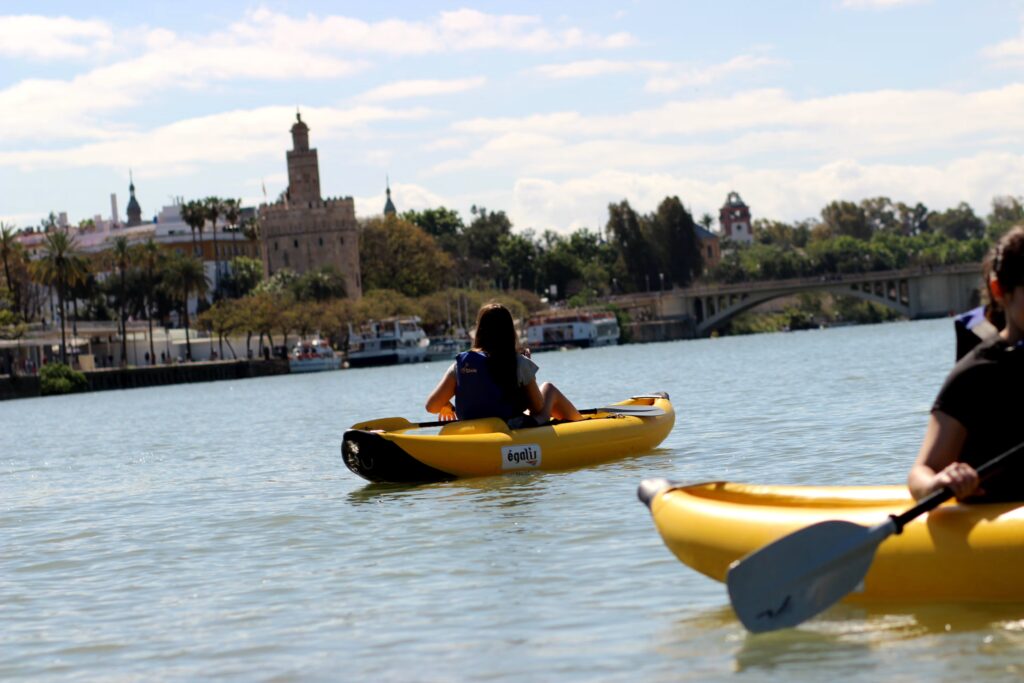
x: 937, y: 465
x: 440, y: 398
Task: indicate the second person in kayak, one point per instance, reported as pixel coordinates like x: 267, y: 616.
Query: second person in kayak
x: 493, y: 379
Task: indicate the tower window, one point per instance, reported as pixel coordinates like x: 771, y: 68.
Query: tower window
x: 296, y: 243
x: 321, y: 241
x: 275, y: 246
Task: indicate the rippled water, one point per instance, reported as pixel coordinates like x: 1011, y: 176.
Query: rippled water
x: 211, y: 530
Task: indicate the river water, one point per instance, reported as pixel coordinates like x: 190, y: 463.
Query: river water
x: 211, y: 531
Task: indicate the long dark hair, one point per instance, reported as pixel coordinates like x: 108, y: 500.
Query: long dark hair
x: 1005, y: 263
x: 496, y: 336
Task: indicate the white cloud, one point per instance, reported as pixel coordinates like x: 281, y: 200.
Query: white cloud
x: 420, y: 88
x: 51, y: 38
x: 1008, y: 52
x: 406, y: 197
x: 778, y: 193
x: 877, y: 124
x: 455, y: 31
x: 228, y: 137
x: 662, y: 77
x: 880, y: 4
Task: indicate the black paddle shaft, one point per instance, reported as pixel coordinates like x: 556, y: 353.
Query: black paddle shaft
x: 933, y: 500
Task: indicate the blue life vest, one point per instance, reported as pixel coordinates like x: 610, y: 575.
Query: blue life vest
x: 477, y: 394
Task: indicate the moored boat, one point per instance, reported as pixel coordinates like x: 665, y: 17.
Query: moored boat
x: 956, y: 553
x: 445, y: 348
x: 579, y: 329
x: 387, y: 342
x: 390, y: 449
x: 314, y: 355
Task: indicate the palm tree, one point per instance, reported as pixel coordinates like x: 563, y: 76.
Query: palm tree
x: 120, y: 257
x: 213, y: 208
x: 184, y: 277
x: 194, y: 214
x: 9, y: 250
x: 149, y: 256
x: 60, y: 266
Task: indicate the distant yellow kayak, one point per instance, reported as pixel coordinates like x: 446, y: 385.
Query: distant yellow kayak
x: 389, y: 449
x: 970, y: 553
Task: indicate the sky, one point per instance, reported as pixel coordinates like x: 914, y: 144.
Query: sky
x: 547, y: 111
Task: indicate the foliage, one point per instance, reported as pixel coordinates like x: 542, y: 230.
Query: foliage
x: 244, y: 274
x: 319, y: 285
x: 396, y: 254
x: 58, y: 378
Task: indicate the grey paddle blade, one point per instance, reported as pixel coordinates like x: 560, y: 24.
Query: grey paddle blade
x: 639, y: 411
x: 789, y: 581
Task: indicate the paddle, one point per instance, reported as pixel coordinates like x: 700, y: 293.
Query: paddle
x: 395, y: 424
x: 789, y: 581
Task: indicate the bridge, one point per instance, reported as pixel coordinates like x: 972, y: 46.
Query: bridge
x: 923, y: 292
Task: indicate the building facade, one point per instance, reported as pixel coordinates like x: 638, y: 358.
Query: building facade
x: 734, y: 217
x: 302, y: 231
x: 710, y: 247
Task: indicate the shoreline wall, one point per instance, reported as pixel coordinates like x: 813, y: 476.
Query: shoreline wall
x: 27, y: 386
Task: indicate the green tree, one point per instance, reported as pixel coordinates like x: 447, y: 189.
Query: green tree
x: 150, y: 259
x: 517, y: 260
x: 213, y: 209
x: 194, y: 214
x: 672, y: 233
x: 60, y: 266
x: 444, y: 225
x: 1007, y: 211
x: 244, y: 274
x: 395, y: 254
x: 10, y: 251
x: 119, y: 257
x: 634, y: 258
x: 185, y: 277
x: 846, y: 218
x: 959, y: 222
x: 319, y: 285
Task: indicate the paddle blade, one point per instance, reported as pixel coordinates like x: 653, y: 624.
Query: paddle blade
x: 385, y: 424
x: 789, y: 581
x: 635, y: 410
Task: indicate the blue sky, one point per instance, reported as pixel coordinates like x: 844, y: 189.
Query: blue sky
x: 548, y: 111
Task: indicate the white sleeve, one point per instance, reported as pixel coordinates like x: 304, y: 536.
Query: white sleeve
x: 526, y: 370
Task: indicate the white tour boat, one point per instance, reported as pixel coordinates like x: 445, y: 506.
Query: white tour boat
x: 580, y: 329
x: 387, y: 342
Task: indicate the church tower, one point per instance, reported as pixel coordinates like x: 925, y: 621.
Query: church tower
x: 734, y: 217
x: 303, y: 167
x: 134, y: 210
x: 389, y: 206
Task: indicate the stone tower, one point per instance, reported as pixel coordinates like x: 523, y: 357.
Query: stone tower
x: 303, y: 231
x: 734, y: 217
x: 134, y: 210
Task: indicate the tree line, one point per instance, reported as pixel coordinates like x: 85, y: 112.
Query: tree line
x: 431, y: 263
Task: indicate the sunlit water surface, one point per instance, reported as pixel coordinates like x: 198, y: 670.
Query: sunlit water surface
x: 211, y: 531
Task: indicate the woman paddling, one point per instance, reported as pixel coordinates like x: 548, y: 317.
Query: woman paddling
x: 493, y: 379
x: 978, y: 411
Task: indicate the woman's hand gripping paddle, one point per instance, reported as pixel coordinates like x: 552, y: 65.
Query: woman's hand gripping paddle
x: 794, y: 578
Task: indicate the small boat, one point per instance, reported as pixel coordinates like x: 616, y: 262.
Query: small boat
x: 390, y: 449
x: 955, y: 553
x: 445, y: 348
x: 387, y: 342
x: 313, y: 356
x: 575, y: 329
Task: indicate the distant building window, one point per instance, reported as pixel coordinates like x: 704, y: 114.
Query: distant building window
x: 296, y: 243
x: 711, y: 252
x: 342, y: 240
x: 321, y: 241
x: 275, y: 246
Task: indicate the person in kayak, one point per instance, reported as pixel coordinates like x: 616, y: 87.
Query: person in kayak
x: 493, y: 379
x: 976, y: 415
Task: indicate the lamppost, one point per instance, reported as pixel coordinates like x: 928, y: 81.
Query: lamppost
x: 662, y: 276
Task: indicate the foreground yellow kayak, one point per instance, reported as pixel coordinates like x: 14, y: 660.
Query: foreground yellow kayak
x: 954, y: 553
x: 390, y: 449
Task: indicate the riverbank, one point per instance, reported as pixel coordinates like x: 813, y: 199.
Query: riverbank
x: 28, y: 386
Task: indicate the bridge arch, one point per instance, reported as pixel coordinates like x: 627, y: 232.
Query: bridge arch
x: 893, y: 294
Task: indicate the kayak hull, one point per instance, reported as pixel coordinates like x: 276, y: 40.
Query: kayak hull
x: 486, y: 447
x: 956, y: 553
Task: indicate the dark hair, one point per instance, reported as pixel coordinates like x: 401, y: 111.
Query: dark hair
x: 496, y: 336
x: 1005, y: 263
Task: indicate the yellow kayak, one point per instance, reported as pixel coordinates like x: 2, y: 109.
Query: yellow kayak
x: 971, y: 553
x: 395, y: 450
